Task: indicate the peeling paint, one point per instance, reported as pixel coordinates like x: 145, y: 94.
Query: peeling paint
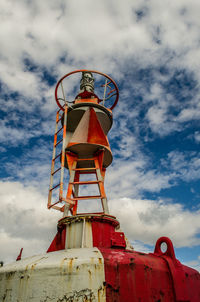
x: 69, y: 275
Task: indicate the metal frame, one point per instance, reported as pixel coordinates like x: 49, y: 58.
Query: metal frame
x: 55, y: 157
x: 73, y: 196
x: 110, y: 94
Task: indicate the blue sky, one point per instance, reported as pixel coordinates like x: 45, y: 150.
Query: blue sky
x: 151, y: 49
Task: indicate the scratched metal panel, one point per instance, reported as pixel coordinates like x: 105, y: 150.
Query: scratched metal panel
x: 79, y: 234
x: 74, y: 235
x: 70, y: 275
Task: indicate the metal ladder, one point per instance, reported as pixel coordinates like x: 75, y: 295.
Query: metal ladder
x: 75, y: 171
x: 58, y: 156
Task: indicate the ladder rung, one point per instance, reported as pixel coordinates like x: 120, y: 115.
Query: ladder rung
x: 57, y: 156
x: 81, y: 159
x: 85, y: 182
x: 69, y: 200
x: 53, y: 204
x: 59, y: 130
x: 84, y: 169
x: 100, y: 213
x: 58, y: 143
x: 54, y: 187
x: 87, y: 172
x: 87, y: 197
x: 56, y: 171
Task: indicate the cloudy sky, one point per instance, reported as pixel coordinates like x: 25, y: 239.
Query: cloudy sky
x: 151, y: 49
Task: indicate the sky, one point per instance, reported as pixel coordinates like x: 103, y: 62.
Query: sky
x: 151, y: 49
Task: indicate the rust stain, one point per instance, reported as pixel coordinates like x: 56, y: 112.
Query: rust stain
x: 33, y: 266
x: 101, y: 294
x: 9, y: 275
x: 23, y: 286
x: 71, y: 263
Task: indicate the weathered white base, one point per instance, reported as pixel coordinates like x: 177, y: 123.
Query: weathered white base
x: 68, y: 275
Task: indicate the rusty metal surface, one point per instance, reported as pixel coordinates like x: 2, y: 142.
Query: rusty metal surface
x: 105, y: 274
x: 70, y: 275
x: 86, y: 231
x: 137, y: 277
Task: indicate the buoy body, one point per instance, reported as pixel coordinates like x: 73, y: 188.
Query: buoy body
x: 90, y: 259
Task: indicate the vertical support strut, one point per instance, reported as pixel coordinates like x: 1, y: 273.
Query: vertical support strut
x: 53, y: 160
x: 63, y: 154
x: 55, y: 156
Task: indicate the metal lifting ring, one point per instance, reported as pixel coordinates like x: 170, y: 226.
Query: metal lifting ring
x: 115, y: 91
x: 170, y: 249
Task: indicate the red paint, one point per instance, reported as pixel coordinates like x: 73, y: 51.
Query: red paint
x: 102, y: 231
x: 89, y: 131
x: 175, y: 267
x: 58, y: 242
x: 87, y: 95
x: 95, y: 132
x: 137, y: 277
x: 118, y: 240
x: 20, y: 255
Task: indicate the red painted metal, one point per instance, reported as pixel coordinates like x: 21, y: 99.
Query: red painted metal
x: 175, y: 267
x: 160, y: 277
x: 118, y: 240
x: 58, y: 242
x: 132, y: 276
x: 102, y: 231
x: 89, y: 131
x: 20, y: 255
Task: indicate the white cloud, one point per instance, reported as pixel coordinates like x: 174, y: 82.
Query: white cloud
x: 147, y: 220
x: 131, y: 178
x: 189, y: 114
x: 25, y: 221
x: 116, y: 40
x: 197, y: 136
x: 47, y: 32
x: 186, y: 165
x: 32, y: 166
x: 194, y: 263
